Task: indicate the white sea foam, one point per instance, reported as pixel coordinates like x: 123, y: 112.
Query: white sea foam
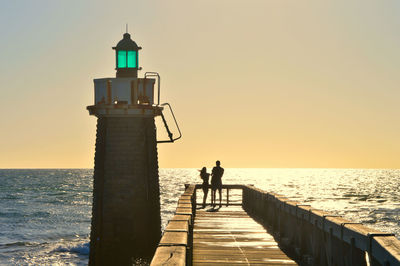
x: 82, y: 248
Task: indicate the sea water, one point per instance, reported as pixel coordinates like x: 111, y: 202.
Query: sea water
x: 45, y: 214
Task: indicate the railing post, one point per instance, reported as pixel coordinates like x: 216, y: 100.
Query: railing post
x: 316, y: 244
x: 330, y: 248
x: 352, y: 250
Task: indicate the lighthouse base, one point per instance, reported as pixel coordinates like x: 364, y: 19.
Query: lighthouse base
x: 126, y: 223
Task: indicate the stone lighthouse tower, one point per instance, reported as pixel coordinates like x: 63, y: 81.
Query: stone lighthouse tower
x: 126, y: 199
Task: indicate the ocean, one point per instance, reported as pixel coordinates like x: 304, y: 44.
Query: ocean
x: 45, y: 213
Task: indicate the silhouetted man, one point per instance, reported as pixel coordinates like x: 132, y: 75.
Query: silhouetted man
x: 216, y: 182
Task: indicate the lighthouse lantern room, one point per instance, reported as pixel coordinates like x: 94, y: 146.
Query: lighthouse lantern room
x: 126, y: 57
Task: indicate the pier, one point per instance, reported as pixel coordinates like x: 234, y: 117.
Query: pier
x: 255, y: 227
x: 230, y: 236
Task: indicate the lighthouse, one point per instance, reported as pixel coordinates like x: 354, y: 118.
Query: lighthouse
x: 126, y: 222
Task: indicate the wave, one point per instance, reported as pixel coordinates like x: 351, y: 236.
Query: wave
x: 24, y: 214
x: 20, y: 244
x: 81, y: 249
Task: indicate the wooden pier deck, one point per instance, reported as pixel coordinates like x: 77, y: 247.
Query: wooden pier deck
x: 229, y: 236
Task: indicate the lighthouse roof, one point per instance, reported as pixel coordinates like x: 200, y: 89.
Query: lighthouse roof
x: 127, y: 44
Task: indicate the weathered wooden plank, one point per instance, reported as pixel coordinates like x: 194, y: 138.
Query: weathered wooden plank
x: 185, y: 197
x: 169, y: 255
x: 184, y: 205
x: 183, y: 211
x: 188, y: 201
x: 180, y: 217
x: 177, y: 226
x: 228, y: 236
x: 174, y: 238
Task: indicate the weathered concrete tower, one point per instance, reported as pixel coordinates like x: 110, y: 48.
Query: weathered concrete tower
x: 126, y: 199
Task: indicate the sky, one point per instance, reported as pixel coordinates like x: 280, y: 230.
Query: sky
x: 283, y: 83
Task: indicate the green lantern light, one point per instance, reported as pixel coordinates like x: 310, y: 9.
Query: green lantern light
x: 127, y: 57
x: 121, y: 59
x: 132, y: 62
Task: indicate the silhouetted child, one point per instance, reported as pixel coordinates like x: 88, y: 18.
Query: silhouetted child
x: 205, y: 176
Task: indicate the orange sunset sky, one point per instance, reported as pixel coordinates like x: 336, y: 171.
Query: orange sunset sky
x: 252, y: 83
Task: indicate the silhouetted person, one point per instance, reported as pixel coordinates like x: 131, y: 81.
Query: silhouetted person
x: 205, y: 176
x: 216, y: 182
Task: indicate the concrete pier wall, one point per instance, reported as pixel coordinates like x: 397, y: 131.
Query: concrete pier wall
x: 175, y: 247
x: 126, y: 221
x: 317, y: 237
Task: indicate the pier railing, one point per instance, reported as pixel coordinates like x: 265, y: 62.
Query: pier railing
x: 313, y: 236
x: 318, y: 237
x: 227, y: 198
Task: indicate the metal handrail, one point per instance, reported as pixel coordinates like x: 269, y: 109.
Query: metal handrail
x: 155, y: 74
x: 227, y: 187
x: 171, y: 139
